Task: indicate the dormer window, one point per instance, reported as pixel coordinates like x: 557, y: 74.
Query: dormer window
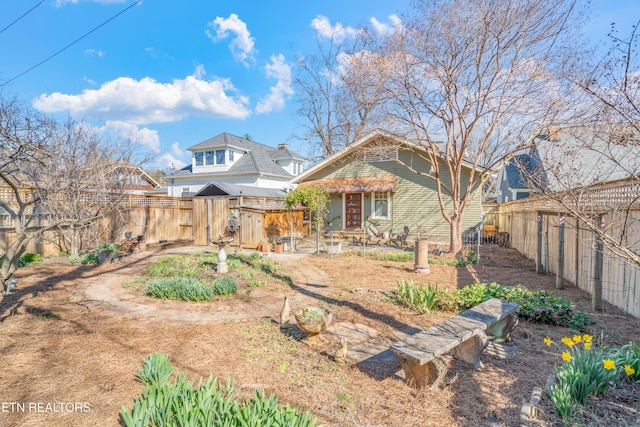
x: 200, y: 158
x: 212, y: 157
x: 231, y: 155
x: 220, y: 157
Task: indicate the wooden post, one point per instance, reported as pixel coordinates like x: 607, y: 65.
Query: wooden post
x: 596, y: 296
x: 560, y: 269
x: 577, y: 260
x: 539, y: 247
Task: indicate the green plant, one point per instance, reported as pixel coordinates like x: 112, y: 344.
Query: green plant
x: 561, y: 398
x: 187, y: 289
x: 205, y: 403
x: 156, y: 369
x: 107, y: 247
x: 48, y: 315
x: 392, y: 256
x: 225, y: 286
x: 418, y: 297
x: 313, y: 313
x: 627, y: 358
x: 90, y: 258
x: 28, y: 259
x: 472, y: 295
x: 74, y: 260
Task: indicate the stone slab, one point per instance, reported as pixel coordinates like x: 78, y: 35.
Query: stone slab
x: 354, y: 333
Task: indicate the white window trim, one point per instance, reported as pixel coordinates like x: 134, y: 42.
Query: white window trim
x: 373, y: 205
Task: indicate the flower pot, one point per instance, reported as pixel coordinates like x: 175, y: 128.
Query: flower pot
x: 315, y: 324
x: 278, y: 248
x: 266, y: 247
x: 104, y: 257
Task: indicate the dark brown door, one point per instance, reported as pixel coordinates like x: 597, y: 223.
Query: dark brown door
x: 353, y: 205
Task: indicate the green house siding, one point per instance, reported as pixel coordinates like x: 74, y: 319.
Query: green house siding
x: 413, y: 204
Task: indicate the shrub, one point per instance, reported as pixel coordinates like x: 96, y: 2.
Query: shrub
x: 472, y: 295
x: 225, y: 286
x: 187, y: 289
x: 89, y: 259
x: 180, y: 403
x: 29, y: 258
x: 392, y: 256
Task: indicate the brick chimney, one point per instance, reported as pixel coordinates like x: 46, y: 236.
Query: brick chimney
x: 283, y: 146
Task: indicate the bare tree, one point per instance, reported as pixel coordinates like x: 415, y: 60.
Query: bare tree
x: 333, y: 94
x: 470, y: 81
x: 56, y: 179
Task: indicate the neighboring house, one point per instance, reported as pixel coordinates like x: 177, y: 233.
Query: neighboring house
x: 367, y: 183
x: 576, y: 157
x: 521, y: 177
x: 230, y: 159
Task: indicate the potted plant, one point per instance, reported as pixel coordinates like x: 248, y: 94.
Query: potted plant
x: 106, y: 251
x: 314, y: 320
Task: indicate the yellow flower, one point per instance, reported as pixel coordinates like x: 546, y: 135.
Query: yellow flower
x: 609, y: 364
x: 577, y: 339
x: 566, y: 356
x: 587, y: 338
x: 567, y: 341
x: 629, y: 370
x: 587, y: 345
x: 547, y: 341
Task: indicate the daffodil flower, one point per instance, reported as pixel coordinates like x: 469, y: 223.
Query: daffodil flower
x: 577, y: 339
x: 547, y: 341
x: 587, y: 338
x: 566, y: 356
x: 609, y: 364
x: 587, y: 345
x: 629, y: 370
x: 567, y: 341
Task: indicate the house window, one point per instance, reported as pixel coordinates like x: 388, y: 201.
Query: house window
x: 380, y: 206
x: 5, y: 218
x: 231, y: 155
x: 209, y: 157
x: 219, y: 157
x: 200, y: 158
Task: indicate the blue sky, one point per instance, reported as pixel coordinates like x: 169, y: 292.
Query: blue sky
x: 170, y: 74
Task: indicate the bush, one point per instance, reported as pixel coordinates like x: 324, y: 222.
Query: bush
x: 187, y: 289
x: 29, y: 258
x: 209, y: 403
x: 89, y: 259
x: 225, y: 286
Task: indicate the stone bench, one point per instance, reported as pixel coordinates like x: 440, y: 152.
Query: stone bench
x: 465, y: 334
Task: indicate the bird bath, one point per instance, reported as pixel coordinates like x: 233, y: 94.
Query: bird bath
x: 221, y: 267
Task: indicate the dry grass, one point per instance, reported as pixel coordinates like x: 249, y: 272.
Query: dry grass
x: 91, y: 351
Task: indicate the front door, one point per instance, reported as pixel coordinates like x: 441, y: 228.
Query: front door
x: 353, y: 210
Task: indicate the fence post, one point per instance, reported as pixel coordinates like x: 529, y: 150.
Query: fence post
x: 560, y: 269
x: 596, y: 296
x: 539, y: 246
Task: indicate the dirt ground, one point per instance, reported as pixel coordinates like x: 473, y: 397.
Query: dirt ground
x: 73, y: 337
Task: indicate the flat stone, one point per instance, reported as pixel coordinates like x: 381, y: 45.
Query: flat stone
x: 354, y: 333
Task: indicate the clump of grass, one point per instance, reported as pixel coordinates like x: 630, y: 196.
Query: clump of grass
x: 174, y: 288
x: 225, y: 286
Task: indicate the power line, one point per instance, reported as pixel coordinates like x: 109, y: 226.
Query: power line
x: 21, y: 16
x: 71, y: 44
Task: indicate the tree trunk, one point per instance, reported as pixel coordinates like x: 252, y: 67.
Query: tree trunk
x: 455, y: 238
x: 74, y: 249
x: 10, y: 262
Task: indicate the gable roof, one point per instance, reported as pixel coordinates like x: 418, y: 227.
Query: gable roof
x: 588, y: 155
x: 214, y: 188
x: 371, y: 136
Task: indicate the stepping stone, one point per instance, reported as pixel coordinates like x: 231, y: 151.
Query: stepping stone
x: 355, y: 333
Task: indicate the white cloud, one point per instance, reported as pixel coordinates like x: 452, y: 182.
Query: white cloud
x: 280, y: 70
x: 175, y: 149
x: 149, y: 101
x: 129, y: 131
x: 94, y: 52
x: 338, y: 32
x: 382, y: 29
x: 242, y: 45
x: 167, y: 160
x: 90, y: 81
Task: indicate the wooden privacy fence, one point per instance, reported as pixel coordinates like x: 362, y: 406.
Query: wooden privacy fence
x: 258, y: 220
x: 564, y: 246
